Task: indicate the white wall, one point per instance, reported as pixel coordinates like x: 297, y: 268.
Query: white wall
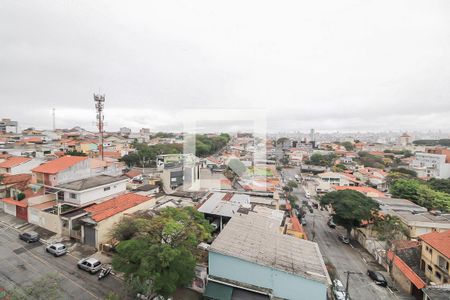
x: 26, y: 167
x: 78, y: 171
x: 85, y: 197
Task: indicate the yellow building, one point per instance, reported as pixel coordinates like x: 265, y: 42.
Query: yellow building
x: 435, y: 260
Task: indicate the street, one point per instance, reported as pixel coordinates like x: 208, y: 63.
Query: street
x: 22, y: 263
x: 342, y: 256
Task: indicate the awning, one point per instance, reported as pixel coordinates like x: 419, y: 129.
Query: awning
x: 218, y: 291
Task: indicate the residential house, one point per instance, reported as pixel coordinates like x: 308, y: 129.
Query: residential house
x: 373, y: 177
x: 437, y: 292
x: 62, y: 170
x: 282, y: 267
x: 435, y: 260
x: 19, y: 181
x: 419, y: 223
x: 101, y: 217
x: 366, y: 190
x: 405, y: 267
x: 338, y: 179
x: 85, y: 191
x: 19, y: 165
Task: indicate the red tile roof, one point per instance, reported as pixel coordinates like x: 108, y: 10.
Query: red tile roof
x: 11, y: 179
x: 362, y: 189
x: 439, y: 241
x: 406, y: 270
x: 59, y: 164
x: 14, y: 161
x: 113, y: 154
x: 132, y: 173
x: 21, y: 203
x: 114, y: 206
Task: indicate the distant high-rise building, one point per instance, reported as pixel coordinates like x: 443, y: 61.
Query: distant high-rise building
x: 145, y: 131
x: 6, y: 124
x: 125, y: 131
x: 405, y: 139
x: 312, y: 135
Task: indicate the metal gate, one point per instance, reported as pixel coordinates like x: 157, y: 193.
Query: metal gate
x: 89, y: 235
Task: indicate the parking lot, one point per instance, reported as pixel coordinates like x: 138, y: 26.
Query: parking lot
x: 22, y: 263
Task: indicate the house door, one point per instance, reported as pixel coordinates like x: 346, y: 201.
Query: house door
x: 89, y: 235
x: 22, y: 213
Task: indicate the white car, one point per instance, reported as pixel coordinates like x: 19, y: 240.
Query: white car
x: 92, y: 265
x: 338, y: 290
x: 57, y: 249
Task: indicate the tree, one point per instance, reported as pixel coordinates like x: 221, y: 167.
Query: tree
x: 420, y: 193
x: 326, y: 160
x: 389, y: 228
x: 350, y: 208
x: 292, y: 184
x: 348, y: 146
x: 47, y: 287
x: 292, y: 200
x: 410, y: 173
x: 161, y: 255
x: 75, y: 153
x: 441, y: 185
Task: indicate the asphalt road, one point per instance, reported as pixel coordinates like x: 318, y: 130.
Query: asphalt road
x: 22, y: 263
x: 343, y: 257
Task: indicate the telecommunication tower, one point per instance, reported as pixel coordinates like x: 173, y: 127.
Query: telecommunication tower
x: 99, y: 105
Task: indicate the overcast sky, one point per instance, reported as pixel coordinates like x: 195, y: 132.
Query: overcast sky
x: 330, y: 65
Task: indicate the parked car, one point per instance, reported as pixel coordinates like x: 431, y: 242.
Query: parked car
x: 307, y: 195
x: 29, y: 236
x: 344, y: 239
x: 331, y: 224
x: 92, y: 265
x: 303, y: 222
x: 57, y: 249
x: 338, y: 290
x: 377, y: 277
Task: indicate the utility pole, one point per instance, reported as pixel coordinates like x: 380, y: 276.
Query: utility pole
x: 54, y: 123
x: 346, y: 285
x: 99, y: 105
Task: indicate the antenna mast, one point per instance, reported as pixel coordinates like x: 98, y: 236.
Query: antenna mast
x: 99, y: 105
x: 53, y: 115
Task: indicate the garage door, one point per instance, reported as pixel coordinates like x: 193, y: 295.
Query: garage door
x: 89, y: 235
x: 9, y: 208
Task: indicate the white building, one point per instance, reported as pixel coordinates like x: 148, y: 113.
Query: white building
x: 93, y: 189
x: 431, y: 165
x: 19, y: 165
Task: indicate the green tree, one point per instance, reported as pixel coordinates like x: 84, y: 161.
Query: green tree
x: 441, y: 185
x: 292, y: 200
x: 326, y: 160
x: 75, y: 153
x: 350, y: 208
x: 348, y: 146
x: 389, y: 228
x: 292, y: 184
x: 161, y: 255
x: 410, y: 173
x: 421, y: 194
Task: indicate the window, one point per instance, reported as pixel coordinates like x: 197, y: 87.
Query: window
x: 73, y: 196
x: 106, y: 188
x: 430, y: 268
x: 438, y: 275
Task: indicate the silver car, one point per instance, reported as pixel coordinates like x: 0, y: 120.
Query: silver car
x: 92, y: 265
x: 57, y: 249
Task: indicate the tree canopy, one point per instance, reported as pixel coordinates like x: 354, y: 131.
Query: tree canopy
x: 420, y: 193
x: 326, y: 160
x: 350, y: 207
x: 389, y: 228
x: 158, y: 254
x: 348, y: 146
